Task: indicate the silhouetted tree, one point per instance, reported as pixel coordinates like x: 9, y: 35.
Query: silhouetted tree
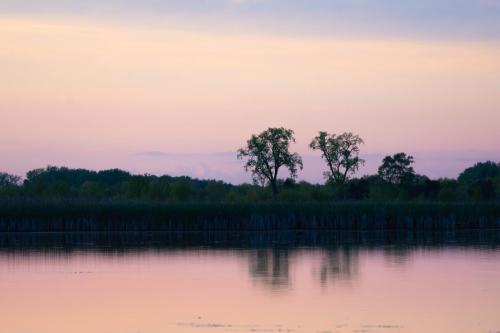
x: 478, y: 183
x: 9, y: 180
x: 136, y: 187
x: 481, y: 180
x: 215, y: 191
x: 397, y: 169
x: 92, y: 190
x: 341, y: 154
x: 448, y: 190
x: 159, y: 189
x: 181, y: 189
x: 480, y: 171
x: 483, y: 190
x: 10, y: 185
x: 424, y: 188
x: 267, y: 152
x: 358, y: 189
x: 113, y: 176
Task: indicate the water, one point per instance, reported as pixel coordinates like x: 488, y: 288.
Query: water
x: 384, y: 287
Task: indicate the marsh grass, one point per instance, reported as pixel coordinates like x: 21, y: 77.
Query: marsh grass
x: 119, y: 215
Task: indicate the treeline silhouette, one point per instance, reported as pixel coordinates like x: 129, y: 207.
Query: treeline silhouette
x: 480, y: 182
x: 264, y: 154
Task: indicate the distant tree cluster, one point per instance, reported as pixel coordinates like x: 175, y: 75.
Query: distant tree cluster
x: 478, y: 183
x: 264, y: 155
x: 268, y: 151
x: 55, y: 182
x: 396, y: 179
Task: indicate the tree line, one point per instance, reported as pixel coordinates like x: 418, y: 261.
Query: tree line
x: 264, y: 155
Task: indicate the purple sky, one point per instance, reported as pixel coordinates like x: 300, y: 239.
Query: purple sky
x: 95, y: 84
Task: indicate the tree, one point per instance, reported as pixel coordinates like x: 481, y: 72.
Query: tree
x: 181, y: 189
x: 482, y: 190
x: 10, y: 185
x: 397, y: 169
x: 215, y: 191
x: 92, y: 190
x: 341, y: 154
x: 479, y: 172
x: 267, y: 152
x: 8, y: 180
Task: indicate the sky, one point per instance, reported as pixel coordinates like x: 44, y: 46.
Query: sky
x: 176, y: 87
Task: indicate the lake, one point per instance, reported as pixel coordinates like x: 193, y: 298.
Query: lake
x: 84, y: 285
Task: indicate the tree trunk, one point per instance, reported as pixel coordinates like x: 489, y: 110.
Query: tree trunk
x: 274, y: 186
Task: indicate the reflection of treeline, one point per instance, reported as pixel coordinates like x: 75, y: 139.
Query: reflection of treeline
x: 396, y: 243
x: 272, y: 266
x: 478, y: 183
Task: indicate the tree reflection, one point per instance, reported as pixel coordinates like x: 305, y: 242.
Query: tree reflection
x: 398, y: 256
x: 339, y: 264
x: 271, y: 267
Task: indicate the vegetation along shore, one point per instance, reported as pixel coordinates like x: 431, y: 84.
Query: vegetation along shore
x: 64, y: 199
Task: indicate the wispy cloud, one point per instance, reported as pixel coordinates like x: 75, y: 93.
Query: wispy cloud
x: 424, y: 18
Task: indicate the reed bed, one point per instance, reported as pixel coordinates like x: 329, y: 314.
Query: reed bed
x: 136, y: 216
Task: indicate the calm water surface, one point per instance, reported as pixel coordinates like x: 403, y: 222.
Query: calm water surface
x: 340, y: 289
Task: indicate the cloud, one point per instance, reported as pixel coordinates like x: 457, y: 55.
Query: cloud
x: 462, y: 19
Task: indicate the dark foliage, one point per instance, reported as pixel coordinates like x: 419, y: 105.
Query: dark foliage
x: 397, y: 169
x: 478, y: 183
x: 480, y: 172
x: 140, y: 216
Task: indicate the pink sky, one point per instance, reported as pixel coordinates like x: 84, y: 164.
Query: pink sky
x: 89, y: 93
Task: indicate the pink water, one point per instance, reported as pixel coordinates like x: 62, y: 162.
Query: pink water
x: 203, y: 290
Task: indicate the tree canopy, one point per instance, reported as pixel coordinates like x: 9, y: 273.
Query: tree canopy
x: 265, y: 155
x: 341, y: 154
x: 397, y: 169
x: 8, y: 180
x: 267, y: 152
x: 479, y: 172
x: 53, y: 183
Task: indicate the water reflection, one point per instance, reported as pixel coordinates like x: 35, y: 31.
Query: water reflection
x: 339, y: 264
x: 270, y: 257
x: 399, y: 255
x: 270, y: 266
x: 297, y: 282
x: 132, y: 241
